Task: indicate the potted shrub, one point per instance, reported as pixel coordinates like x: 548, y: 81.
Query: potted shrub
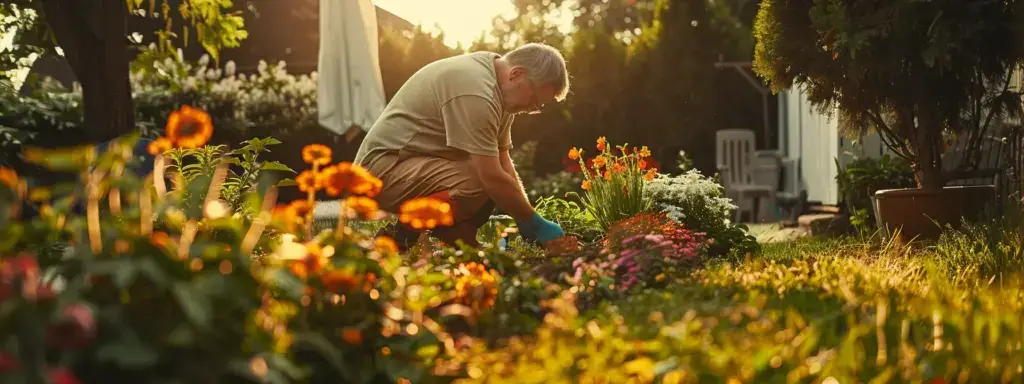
x: 915, y: 72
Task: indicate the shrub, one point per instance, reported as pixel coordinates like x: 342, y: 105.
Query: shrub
x: 700, y: 204
x: 859, y: 181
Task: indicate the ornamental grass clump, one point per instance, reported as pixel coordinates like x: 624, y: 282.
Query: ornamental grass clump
x: 613, y: 185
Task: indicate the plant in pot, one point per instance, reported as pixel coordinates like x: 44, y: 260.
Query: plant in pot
x: 915, y: 72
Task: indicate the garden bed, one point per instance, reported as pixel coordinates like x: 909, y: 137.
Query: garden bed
x: 165, y: 283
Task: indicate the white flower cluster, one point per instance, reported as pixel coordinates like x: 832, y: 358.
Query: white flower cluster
x: 271, y: 94
x: 690, y: 194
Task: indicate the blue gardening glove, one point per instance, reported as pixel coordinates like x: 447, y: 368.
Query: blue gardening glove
x: 540, y: 230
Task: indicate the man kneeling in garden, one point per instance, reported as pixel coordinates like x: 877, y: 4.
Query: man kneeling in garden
x: 446, y: 134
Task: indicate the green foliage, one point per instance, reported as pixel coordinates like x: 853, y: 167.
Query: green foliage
x: 538, y: 187
x: 903, y: 68
x: 699, y: 203
x: 575, y: 220
x: 859, y: 181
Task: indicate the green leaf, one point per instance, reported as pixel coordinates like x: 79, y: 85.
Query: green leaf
x: 127, y: 353
x: 125, y: 276
x: 327, y: 351
x: 275, y: 166
x: 196, y: 307
x: 151, y: 270
x: 287, y: 183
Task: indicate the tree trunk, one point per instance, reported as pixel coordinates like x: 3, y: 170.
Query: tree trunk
x: 93, y: 35
x: 927, y: 139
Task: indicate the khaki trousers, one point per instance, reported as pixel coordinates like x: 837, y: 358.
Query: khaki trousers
x: 409, y: 177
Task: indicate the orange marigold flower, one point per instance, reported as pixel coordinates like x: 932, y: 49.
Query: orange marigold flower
x: 308, y: 181
x: 351, y: 178
x: 575, y: 153
x: 607, y: 175
x: 293, y: 213
x: 318, y: 154
x: 386, y: 244
x: 650, y: 174
x: 602, y: 143
x: 312, y: 263
x: 586, y: 185
x: 426, y: 213
x: 352, y: 336
x: 8, y: 177
x: 645, y: 152
x: 477, y: 286
x: 158, y: 146
x: 160, y: 239
x: 364, y: 207
x: 600, y: 162
x: 189, y: 127
x: 338, y: 281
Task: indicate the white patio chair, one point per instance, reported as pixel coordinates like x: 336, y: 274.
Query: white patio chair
x: 734, y: 156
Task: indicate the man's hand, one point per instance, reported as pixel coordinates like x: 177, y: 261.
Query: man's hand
x: 539, y: 229
x: 508, y: 194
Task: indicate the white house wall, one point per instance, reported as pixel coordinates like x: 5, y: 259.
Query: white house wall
x: 814, y: 139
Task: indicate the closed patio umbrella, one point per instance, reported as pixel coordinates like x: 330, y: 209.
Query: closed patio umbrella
x: 350, y: 90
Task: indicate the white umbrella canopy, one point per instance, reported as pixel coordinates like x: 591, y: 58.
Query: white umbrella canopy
x: 350, y: 92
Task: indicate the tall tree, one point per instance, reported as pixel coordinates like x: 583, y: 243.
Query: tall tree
x: 911, y: 70
x: 93, y: 37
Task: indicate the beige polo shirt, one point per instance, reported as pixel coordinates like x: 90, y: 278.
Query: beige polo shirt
x: 449, y: 108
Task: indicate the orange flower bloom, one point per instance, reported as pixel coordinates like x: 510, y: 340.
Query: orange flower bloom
x: 308, y: 181
x: 351, y: 178
x: 477, y: 286
x: 189, y: 127
x: 650, y: 174
x: 158, y: 146
x: 586, y: 185
x: 352, y: 336
x: 386, y: 244
x: 618, y: 168
x: 645, y: 152
x: 642, y: 164
x: 311, y: 264
x: 574, y: 154
x: 599, y: 162
x: 294, y: 213
x: 338, y: 281
x: 602, y: 143
x: 364, y: 207
x: 425, y: 213
x: 318, y: 154
x: 8, y: 177
x: 607, y: 175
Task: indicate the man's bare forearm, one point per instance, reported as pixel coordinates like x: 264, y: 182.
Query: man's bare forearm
x: 507, y: 193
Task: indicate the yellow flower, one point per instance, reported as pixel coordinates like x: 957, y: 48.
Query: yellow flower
x: 645, y: 152
x: 602, y: 143
x: 189, y: 127
x: 477, y: 286
x: 364, y: 207
x: 586, y: 185
x: 158, y: 146
x: 386, y: 244
x: 8, y: 177
x: 318, y: 154
x: 308, y: 181
x: 426, y: 213
x: 674, y: 377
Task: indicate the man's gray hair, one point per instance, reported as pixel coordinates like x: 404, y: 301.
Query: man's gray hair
x: 544, y: 66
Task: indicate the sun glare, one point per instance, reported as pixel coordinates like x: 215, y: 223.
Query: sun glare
x: 462, y: 21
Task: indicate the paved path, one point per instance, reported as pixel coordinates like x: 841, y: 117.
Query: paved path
x: 773, y: 233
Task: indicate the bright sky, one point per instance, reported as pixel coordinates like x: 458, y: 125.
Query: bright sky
x: 461, y: 20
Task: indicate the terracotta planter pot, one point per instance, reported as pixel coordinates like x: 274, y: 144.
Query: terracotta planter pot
x: 922, y: 214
